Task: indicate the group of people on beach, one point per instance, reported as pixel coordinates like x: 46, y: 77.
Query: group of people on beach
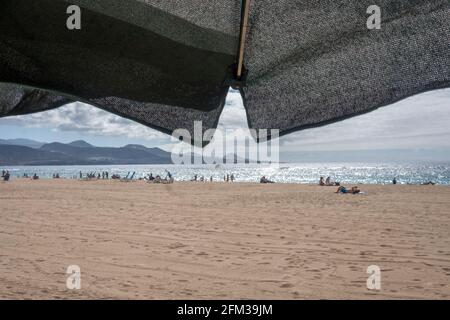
x: 341, y: 189
x: 6, y: 176
x: 428, y: 183
x: 226, y: 178
x: 35, y: 176
x: 327, y: 182
x: 152, y: 178
x: 94, y: 175
x: 158, y: 179
x: 356, y: 190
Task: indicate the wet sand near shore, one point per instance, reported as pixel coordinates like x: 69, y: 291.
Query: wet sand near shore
x: 134, y: 240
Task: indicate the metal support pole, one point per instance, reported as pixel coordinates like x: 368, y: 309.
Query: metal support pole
x: 244, y: 25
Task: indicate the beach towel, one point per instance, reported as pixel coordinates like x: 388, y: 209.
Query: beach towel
x: 166, y: 64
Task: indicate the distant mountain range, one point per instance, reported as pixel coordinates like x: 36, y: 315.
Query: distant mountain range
x: 29, y: 152
x: 22, y: 142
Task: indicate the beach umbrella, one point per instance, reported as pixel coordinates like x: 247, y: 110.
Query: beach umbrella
x: 298, y: 64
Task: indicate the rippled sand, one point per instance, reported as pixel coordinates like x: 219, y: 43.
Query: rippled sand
x: 222, y: 241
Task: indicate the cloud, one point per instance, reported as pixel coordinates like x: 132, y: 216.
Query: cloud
x: 85, y: 119
x: 233, y: 115
x: 420, y: 121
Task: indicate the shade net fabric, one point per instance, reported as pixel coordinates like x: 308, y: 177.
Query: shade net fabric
x: 161, y: 63
x: 167, y: 64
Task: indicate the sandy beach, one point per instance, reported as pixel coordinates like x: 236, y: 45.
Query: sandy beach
x: 222, y: 241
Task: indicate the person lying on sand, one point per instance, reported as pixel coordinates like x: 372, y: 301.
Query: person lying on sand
x: 353, y: 190
x: 265, y: 180
x: 429, y: 183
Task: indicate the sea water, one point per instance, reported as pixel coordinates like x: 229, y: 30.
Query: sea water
x: 305, y: 173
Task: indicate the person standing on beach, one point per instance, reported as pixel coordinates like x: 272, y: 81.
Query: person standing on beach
x: 169, y: 175
x: 394, y: 181
x: 81, y: 175
x: 5, y: 175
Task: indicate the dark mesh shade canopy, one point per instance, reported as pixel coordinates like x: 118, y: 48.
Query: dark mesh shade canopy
x: 313, y: 62
x: 160, y: 63
x: 167, y: 64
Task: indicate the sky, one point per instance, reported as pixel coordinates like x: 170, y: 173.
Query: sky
x: 418, y: 122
